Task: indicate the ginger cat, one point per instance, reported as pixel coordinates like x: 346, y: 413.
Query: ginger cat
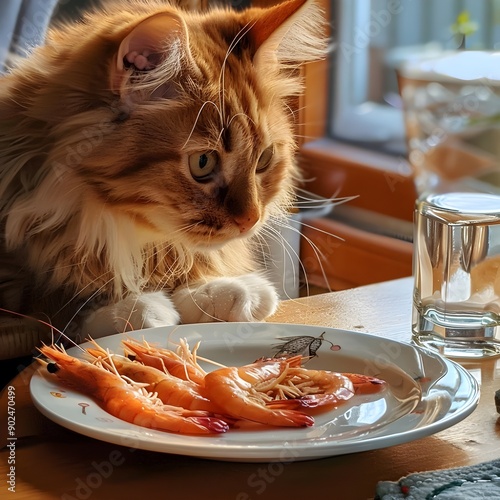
x: 142, y: 152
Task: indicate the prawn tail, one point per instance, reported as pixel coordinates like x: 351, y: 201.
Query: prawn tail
x: 363, y: 384
x: 193, y: 425
x: 177, y: 419
x: 291, y: 418
x: 211, y: 424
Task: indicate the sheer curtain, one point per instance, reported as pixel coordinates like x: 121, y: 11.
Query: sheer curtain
x: 22, y: 26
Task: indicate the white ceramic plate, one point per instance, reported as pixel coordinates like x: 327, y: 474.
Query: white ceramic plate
x: 426, y: 393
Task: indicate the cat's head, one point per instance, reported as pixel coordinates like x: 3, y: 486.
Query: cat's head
x: 180, y: 122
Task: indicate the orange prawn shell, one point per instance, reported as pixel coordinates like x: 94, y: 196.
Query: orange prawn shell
x: 122, y: 401
x: 232, y: 389
x: 171, y: 390
x: 161, y: 358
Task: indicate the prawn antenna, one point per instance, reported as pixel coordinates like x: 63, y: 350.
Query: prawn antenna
x: 46, y: 323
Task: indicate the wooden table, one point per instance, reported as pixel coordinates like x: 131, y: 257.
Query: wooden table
x: 52, y: 462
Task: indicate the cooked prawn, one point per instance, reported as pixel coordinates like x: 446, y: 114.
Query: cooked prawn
x: 241, y: 393
x: 123, y: 401
x: 311, y: 388
x: 364, y: 384
x: 171, y: 390
x: 182, y: 364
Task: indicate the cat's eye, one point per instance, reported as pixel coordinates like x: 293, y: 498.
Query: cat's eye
x: 265, y: 159
x: 202, y: 165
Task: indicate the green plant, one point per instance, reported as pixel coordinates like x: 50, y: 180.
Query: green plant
x: 463, y: 27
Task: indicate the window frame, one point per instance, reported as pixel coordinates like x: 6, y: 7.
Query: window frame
x: 381, y: 182
x: 353, y: 113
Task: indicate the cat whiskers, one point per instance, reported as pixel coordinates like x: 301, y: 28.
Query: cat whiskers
x: 178, y: 232
x: 76, y: 295
x: 303, y: 201
x: 222, y: 75
x: 221, y: 107
x: 165, y: 279
x: 159, y: 285
x: 236, y: 115
x: 198, y: 306
x: 229, y: 124
x: 198, y: 117
x: 85, y: 303
x: 317, y: 252
x: 289, y: 253
x: 46, y: 323
x: 294, y: 113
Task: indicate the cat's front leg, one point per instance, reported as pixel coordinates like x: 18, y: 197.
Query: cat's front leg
x: 244, y: 298
x: 146, y: 310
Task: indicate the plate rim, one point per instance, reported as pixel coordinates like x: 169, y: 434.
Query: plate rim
x: 263, y: 452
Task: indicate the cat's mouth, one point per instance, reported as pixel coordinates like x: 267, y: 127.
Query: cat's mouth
x: 207, y: 234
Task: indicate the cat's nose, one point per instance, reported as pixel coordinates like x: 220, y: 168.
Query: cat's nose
x: 246, y: 221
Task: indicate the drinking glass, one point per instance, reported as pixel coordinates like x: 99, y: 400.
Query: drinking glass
x: 456, y: 266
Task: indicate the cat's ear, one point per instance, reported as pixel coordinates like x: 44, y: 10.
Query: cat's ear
x: 292, y: 32
x: 154, y: 39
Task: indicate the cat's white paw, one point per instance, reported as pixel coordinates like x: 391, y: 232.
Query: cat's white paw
x: 246, y: 298
x: 133, y: 313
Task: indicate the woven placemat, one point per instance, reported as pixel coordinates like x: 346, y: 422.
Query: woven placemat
x: 467, y: 483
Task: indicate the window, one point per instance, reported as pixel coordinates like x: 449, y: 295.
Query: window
x: 354, y: 135
x: 373, y: 37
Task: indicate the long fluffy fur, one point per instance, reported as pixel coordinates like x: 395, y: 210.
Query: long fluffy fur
x: 92, y: 198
